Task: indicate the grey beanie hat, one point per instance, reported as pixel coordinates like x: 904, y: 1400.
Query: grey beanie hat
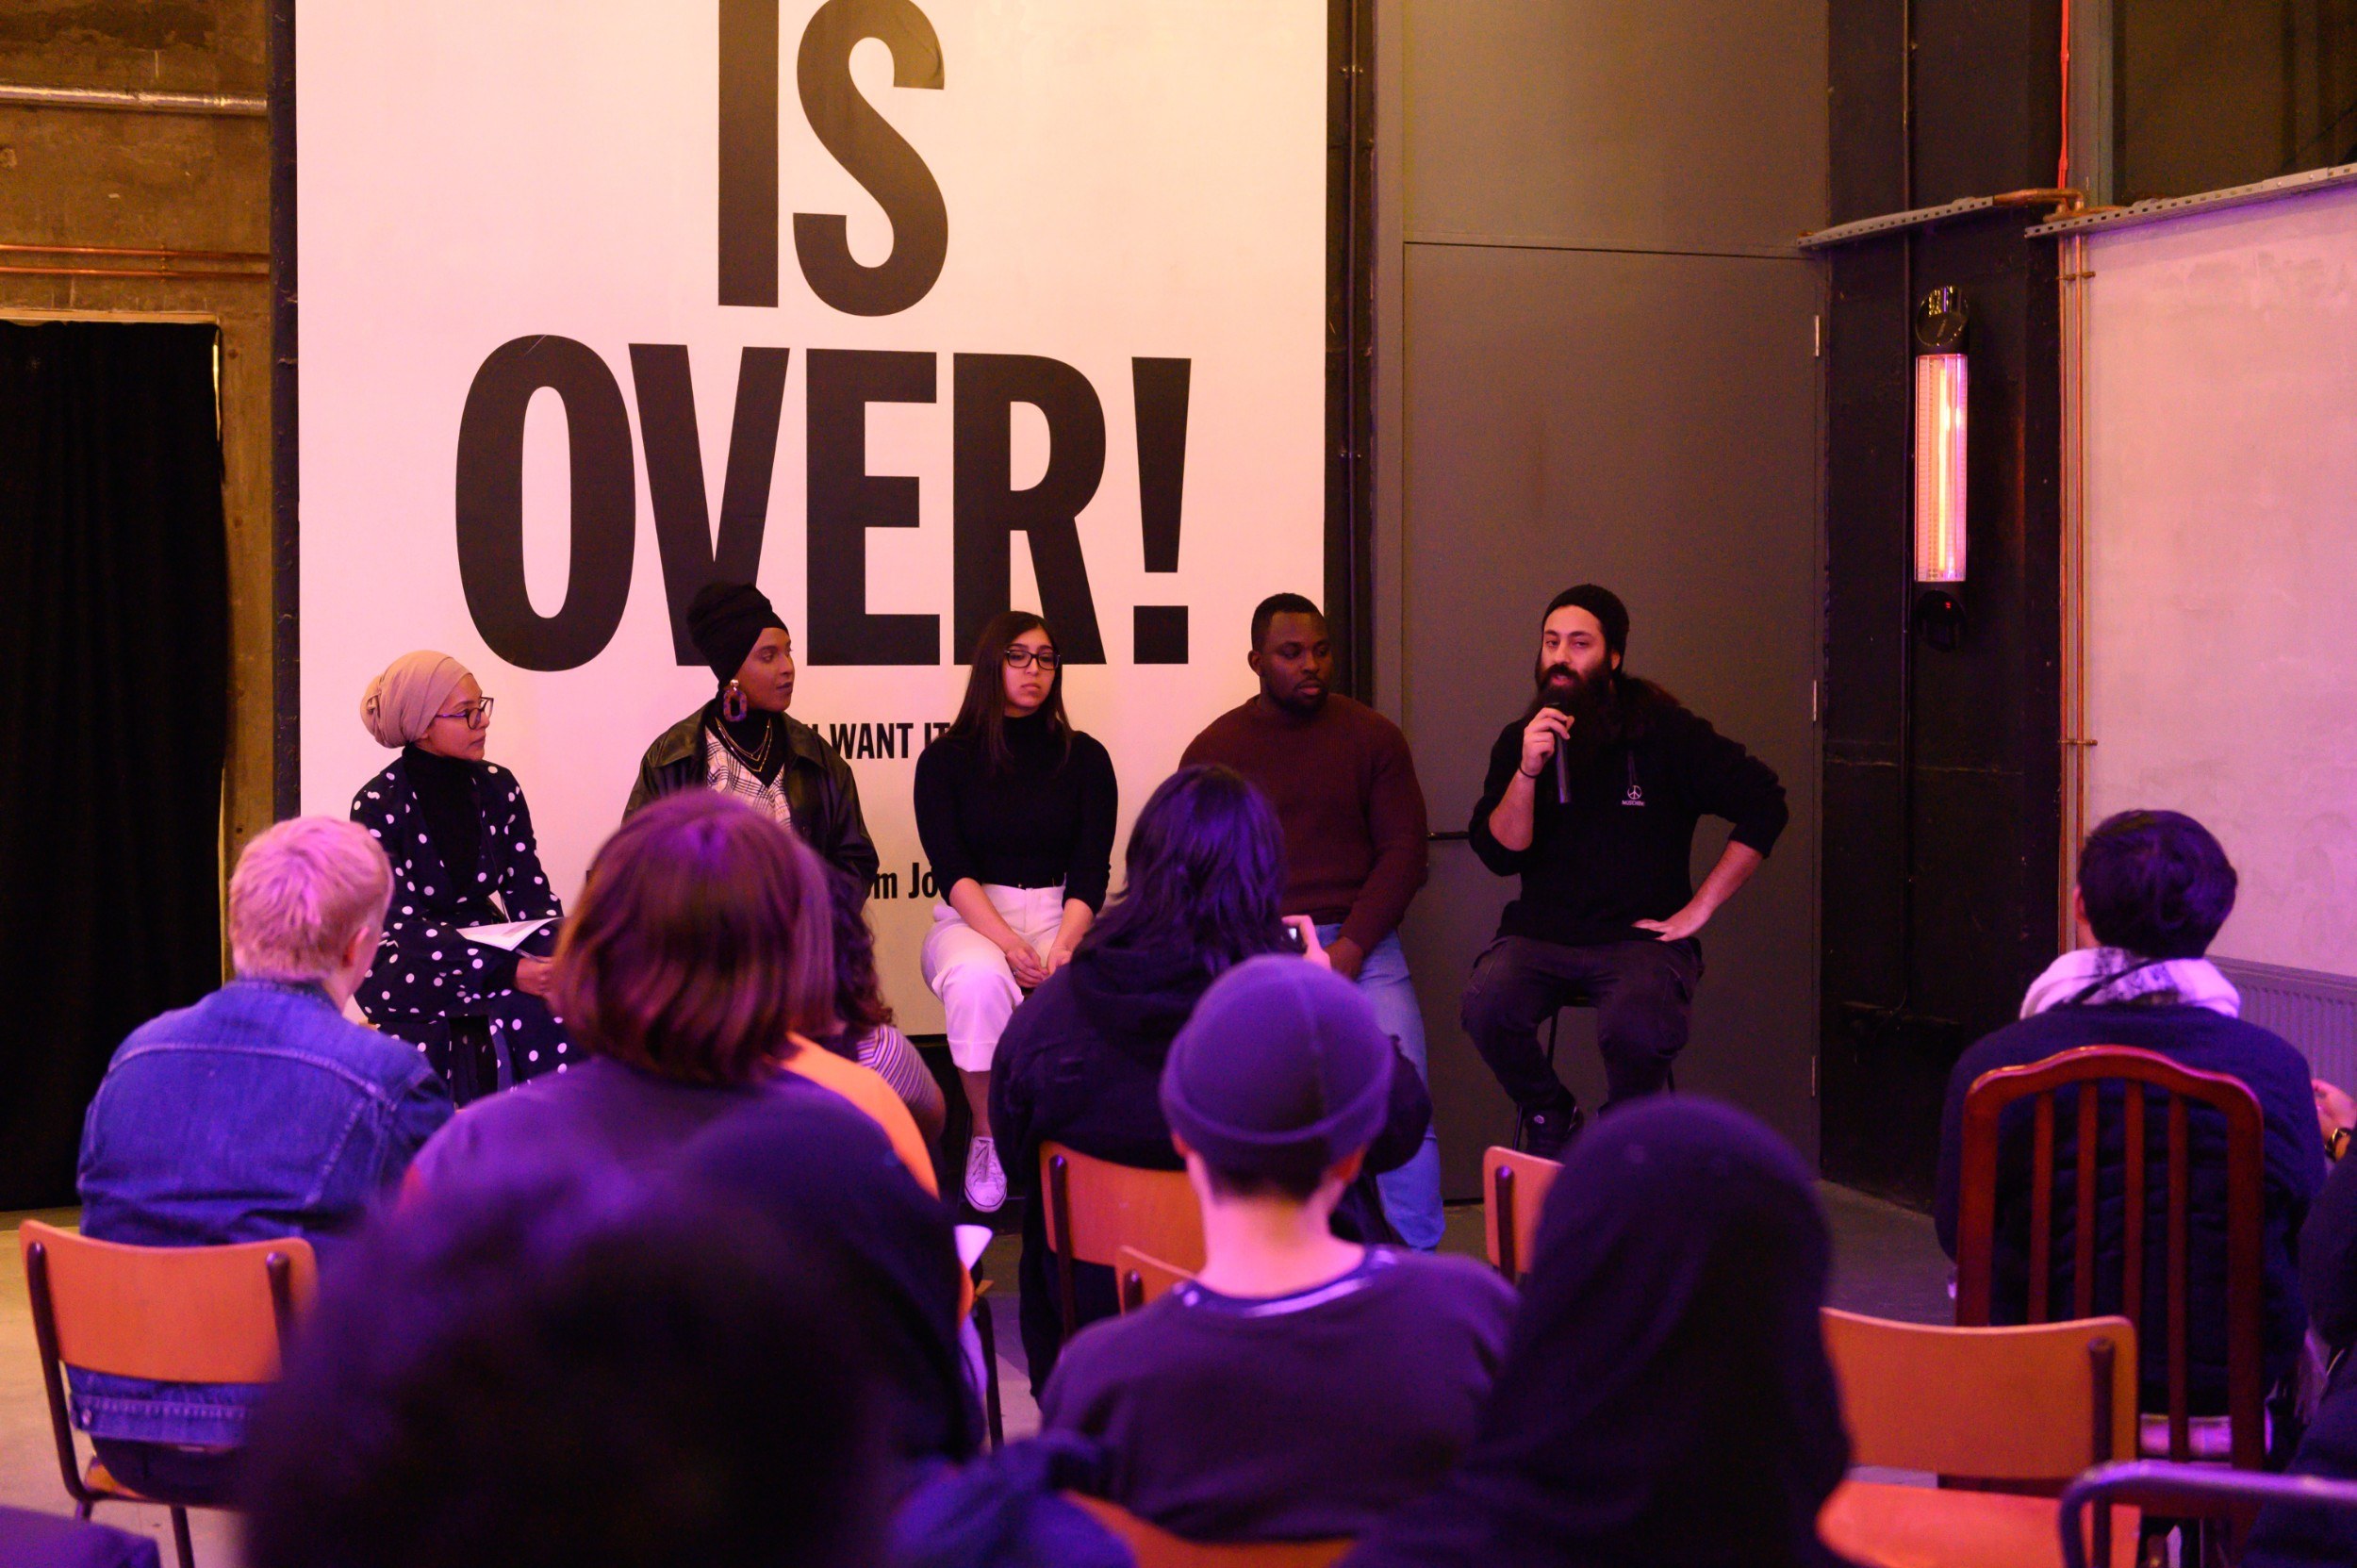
x: 1282, y: 1072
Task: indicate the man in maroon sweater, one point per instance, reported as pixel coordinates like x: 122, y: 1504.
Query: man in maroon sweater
x: 1344, y: 788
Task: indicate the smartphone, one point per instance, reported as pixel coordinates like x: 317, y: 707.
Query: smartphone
x: 1290, y: 936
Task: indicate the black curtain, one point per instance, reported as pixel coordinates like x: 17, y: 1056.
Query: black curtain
x: 114, y: 701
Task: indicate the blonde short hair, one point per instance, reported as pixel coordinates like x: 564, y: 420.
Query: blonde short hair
x: 302, y: 890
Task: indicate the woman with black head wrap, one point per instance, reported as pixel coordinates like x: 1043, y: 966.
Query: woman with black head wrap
x: 742, y: 743
x: 1665, y: 1398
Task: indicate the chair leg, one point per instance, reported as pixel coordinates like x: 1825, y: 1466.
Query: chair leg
x: 180, y: 1543
x: 986, y: 1330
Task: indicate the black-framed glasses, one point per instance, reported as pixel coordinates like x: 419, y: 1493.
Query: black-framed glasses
x: 1020, y: 657
x: 476, y: 715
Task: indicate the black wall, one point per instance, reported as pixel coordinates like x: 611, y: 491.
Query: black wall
x: 1941, y: 781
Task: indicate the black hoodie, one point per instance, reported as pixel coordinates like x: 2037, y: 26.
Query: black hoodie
x: 1080, y: 1063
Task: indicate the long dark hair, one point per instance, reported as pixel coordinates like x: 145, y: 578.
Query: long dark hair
x: 1205, y: 871
x: 983, y: 717
x: 860, y: 1008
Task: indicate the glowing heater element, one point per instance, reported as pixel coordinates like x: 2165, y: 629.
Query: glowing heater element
x: 1940, y: 385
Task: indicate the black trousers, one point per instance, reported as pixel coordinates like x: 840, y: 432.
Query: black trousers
x: 193, y: 1477
x: 1642, y: 993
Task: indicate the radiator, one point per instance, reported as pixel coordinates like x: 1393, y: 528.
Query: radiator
x: 2317, y: 1012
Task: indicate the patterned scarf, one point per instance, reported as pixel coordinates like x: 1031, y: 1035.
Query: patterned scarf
x: 725, y: 773
x: 2108, y: 976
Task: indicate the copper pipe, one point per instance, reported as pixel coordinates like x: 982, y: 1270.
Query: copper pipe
x: 2072, y: 283
x: 124, y: 272
x: 257, y: 257
x: 2066, y: 201
x: 133, y: 101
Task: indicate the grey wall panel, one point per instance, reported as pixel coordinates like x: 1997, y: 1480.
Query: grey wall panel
x: 1680, y: 124
x: 1649, y: 421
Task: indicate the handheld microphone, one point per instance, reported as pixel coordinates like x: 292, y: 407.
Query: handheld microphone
x: 1562, y: 703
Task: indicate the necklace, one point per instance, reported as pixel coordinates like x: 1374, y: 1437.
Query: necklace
x: 755, y: 761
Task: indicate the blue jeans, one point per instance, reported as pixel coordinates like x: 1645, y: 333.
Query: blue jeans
x: 1411, y: 1194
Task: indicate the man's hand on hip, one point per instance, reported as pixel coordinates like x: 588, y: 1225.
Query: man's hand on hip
x: 1678, y: 927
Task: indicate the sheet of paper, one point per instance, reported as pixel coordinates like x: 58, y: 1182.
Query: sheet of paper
x: 507, y: 938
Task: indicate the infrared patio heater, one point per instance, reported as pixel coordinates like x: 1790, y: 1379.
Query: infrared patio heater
x: 1942, y: 387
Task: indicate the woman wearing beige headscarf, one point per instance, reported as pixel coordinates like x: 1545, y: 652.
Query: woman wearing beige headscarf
x: 459, y: 836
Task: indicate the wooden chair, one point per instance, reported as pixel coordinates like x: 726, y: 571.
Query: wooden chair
x: 2025, y: 1408
x: 175, y: 1314
x: 1144, y: 1277
x: 1514, y: 1191
x: 1927, y: 1527
x: 2084, y: 1072
x: 1155, y: 1547
x: 1095, y: 1208
x: 986, y: 1331
x: 2196, y: 1492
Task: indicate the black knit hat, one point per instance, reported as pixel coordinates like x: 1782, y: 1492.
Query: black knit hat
x: 726, y: 619
x: 1605, y: 605
x: 1282, y: 1072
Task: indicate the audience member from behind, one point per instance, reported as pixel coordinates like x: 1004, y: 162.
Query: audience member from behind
x: 1665, y: 1396
x: 694, y: 972
x: 585, y: 1376
x: 837, y: 1176
x: 2291, y: 1536
x: 260, y: 1112
x: 863, y: 1029
x: 1302, y: 1386
x: 1080, y: 1062
x: 459, y: 836
x: 2154, y: 889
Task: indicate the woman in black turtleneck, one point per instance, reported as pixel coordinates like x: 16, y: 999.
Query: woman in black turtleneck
x: 460, y: 838
x: 1015, y: 810
x: 742, y: 744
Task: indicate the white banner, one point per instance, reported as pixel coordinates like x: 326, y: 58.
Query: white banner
x: 599, y: 303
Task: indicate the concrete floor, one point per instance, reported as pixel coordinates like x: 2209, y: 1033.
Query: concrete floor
x: 1886, y: 1262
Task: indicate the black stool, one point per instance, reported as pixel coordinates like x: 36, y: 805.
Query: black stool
x: 1522, y: 1118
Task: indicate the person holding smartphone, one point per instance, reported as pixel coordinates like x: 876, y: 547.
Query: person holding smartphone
x: 1015, y: 810
x: 1080, y: 1061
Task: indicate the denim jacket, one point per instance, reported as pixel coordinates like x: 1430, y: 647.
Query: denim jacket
x: 260, y: 1112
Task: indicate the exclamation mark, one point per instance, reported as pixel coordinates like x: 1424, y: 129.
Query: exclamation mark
x: 1161, y: 389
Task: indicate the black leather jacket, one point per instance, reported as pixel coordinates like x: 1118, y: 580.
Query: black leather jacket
x: 818, y: 788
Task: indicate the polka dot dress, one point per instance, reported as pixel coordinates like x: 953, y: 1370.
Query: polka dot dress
x: 425, y: 973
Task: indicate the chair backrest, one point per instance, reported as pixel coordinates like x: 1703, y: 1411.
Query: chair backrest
x: 1513, y: 1195
x: 1155, y: 1547
x: 2145, y: 1076
x: 181, y: 1314
x: 2022, y: 1404
x: 1143, y: 1278
x: 1096, y: 1208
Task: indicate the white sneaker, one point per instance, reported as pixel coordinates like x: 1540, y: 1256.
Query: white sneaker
x: 985, y: 1181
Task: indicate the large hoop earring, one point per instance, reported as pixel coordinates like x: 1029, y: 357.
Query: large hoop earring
x: 734, y: 705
